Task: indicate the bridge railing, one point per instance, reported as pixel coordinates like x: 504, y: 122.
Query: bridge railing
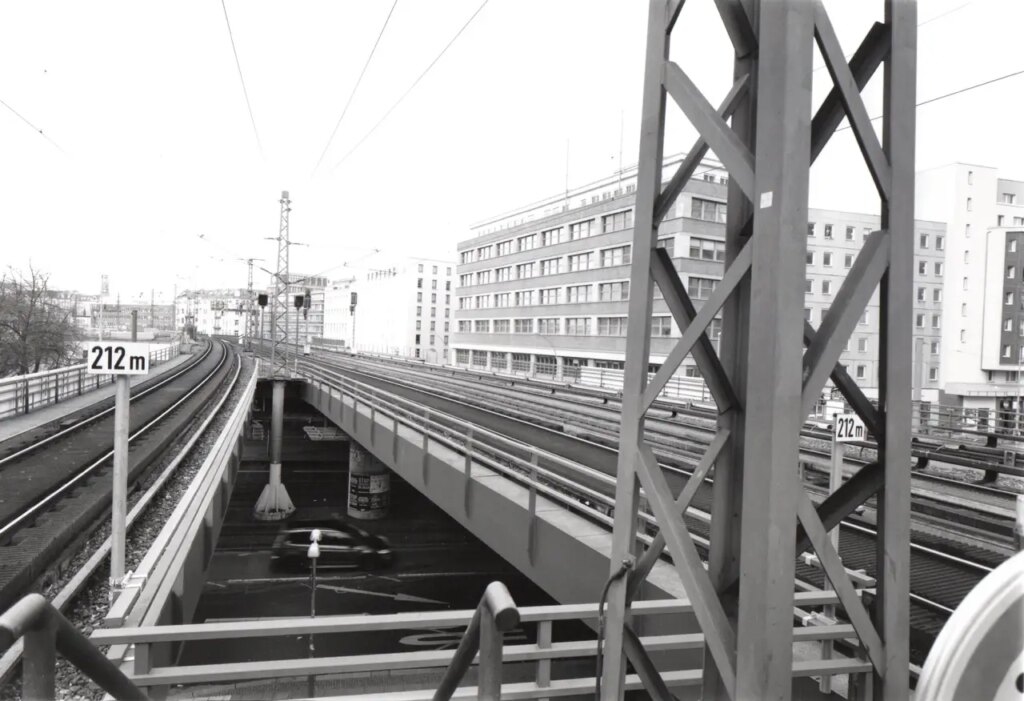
x: 25, y: 393
x: 46, y: 633
x: 540, y: 653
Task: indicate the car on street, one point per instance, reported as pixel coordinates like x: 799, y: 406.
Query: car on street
x: 342, y: 545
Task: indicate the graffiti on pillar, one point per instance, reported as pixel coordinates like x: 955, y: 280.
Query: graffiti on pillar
x: 369, y: 492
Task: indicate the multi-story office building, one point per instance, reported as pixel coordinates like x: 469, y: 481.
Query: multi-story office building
x: 547, y: 286
x: 310, y: 322
x: 403, y: 307
x: 337, y: 314
x: 982, y: 335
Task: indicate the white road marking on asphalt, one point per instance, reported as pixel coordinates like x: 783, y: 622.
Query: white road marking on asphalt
x: 396, y: 597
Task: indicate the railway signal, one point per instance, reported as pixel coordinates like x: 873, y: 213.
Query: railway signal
x: 121, y: 360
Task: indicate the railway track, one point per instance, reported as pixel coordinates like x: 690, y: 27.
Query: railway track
x: 57, y: 487
x: 942, y: 572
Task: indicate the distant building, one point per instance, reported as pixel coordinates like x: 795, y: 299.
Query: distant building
x: 983, y: 315
x: 311, y: 321
x: 213, y: 312
x: 547, y: 287
x: 403, y: 307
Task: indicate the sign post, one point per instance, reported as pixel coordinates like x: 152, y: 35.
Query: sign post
x: 121, y: 360
x: 846, y: 428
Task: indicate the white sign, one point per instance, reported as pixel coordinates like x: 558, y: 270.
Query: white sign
x: 848, y: 428
x: 116, y: 358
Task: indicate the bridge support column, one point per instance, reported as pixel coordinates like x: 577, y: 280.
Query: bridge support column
x: 533, y: 364
x: 559, y: 367
x: 369, y: 484
x: 274, y: 503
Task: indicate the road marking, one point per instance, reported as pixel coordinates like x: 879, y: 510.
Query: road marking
x: 396, y: 597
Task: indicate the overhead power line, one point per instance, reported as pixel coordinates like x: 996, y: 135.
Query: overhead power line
x: 355, y: 87
x: 238, y: 64
x: 34, y: 127
x: 411, y: 87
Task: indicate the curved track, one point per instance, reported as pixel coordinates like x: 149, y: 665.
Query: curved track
x: 56, y: 489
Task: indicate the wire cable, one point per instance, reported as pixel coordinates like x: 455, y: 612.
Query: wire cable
x: 411, y: 87
x: 238, y: 64
x: 34, y: 127
x: 355, y: 87
x: 625, y: 567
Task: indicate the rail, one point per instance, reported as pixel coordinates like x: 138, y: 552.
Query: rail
x: 25, y: 393
x: 541, y: 653
x: 494, y: 616
x: 46, y: 633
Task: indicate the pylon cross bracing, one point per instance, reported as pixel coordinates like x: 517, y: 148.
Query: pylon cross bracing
x: 771, y: 365
x: 280, y: 303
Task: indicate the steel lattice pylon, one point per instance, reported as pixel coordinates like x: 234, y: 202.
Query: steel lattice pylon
x: 762, y: 380
x: 279, y: 305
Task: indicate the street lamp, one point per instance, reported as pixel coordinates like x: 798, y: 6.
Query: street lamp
x: 313, y: 553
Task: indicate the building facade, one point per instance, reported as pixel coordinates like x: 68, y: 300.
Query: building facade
x: 547, y: 287
x: 403, y: 307
x: 982, y: 334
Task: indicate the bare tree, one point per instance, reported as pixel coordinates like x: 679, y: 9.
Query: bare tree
x: 36, y: 332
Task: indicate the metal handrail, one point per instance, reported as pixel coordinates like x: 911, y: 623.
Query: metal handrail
x: 23, y: 393
x: 494, y: 616
x: 47, y: 632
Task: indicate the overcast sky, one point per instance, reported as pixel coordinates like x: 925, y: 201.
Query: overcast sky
x: 148, y: 143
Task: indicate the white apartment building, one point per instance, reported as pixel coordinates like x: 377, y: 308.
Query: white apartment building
x: 403, y: 307
x: 212, y: 312
x: 547, y: 287
x: 982, y: 331
x: 310, y: 322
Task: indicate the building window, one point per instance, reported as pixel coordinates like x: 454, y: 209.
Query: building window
x: 669, y: 244
x: 433, y: 325
x: 551, y: 237
x: 524, y: 325
x: 547, y: 327
x: 808, y: 314
x: 580, y: 230
x: 483, y: 277
x: 419, y: 311
x: 482, y: 302
x: 826, y: 259
x: 1007, y: 324
x: 524, y: 270
x: 849, y: 233
x: 865, y: 319
x: 862, y: 344
x: 482, y: 326
x: 482, y: 253
x: 924, y: 240
x: 922, y: 267
x: 810, y: 257
x: 810, y: 228
x: 447, y: 299
x: 707, y: 210
x: 937, y: 294
x: 549, y: 296
x: 503, y: 274
x: 524, y: 298
x: 551, y: 266
x: 577, y: 294
x: 970, y: 204
x: 580, y: 261
x: 448, y: 271
x: 418, y: 324
x: 967, y: 230
x: 999, y: 220
x: 1012, y: 246
x: 935, y: 347
x: 919, y: 321
x: 921, y: 294
x: 706, y: 249
x: 963, y: 336
x: 700, y: 287
x: 1009, y: 298
x: 578, y: 326
x: 504, y: 248
x: 1011, y: 272
x: 613, y: 291
x: 448, y: 285
x: 501, y: 326
x: 617, y: 221
x: 465, y: 326
x: 828, y: 231
x: 502, y: 299
x: 965, y: 283
x: 970, y: 177
x: 963, y: 309
x: 661, y: 326
x: 419, y: 296
x: 433, y: 283
x: 615, y: 256
x: 419, y: 282
x: 848, y: 261
x: 810, y: 286
x: 1009, y: 198
x: 861, y: 371
x: 466, y: 280
x: 611, y: 326
x: 419, y: 267
x: 1007, y: 349
x: 1018, y: 221
x: 940, y: 243
x: 461, y: 356
x: 826, y: 287
x: 936, y: 320
x: 526, y: 243
x: 938, y: 269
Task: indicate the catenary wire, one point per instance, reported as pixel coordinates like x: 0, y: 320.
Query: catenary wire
x: 355, y: 87
x: 34, y: 127
x: 238, y: 64
x: 411, y: 87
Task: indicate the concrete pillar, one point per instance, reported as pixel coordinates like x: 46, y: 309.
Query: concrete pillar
x: 487, y: 363
x: 369, y: 484
x: 508, y: 364
x: 274, y: 503
x: 533, y: 364
x: 559, y: 367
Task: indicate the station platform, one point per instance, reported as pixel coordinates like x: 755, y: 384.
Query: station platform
x: 16, y: 425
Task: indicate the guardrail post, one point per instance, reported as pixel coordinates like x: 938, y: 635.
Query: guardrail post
x: 426, y: 451
x: 39, y: 663
x: 468, y: 470
x: 544, y: 666
x: 56, y: 389
x: 489, y: 677
x: 79, y: 382
x: 26, y: 396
